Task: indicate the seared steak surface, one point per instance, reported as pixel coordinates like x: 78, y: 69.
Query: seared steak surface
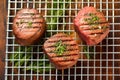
x: 28, y: 26
x: 62, y: 50
x: 91, y: 25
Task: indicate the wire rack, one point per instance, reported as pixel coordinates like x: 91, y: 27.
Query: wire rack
x: 104, y: 63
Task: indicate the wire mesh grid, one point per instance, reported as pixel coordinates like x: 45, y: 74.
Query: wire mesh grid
x: 104, y: 61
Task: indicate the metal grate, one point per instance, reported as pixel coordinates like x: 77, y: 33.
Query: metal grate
x: 105, y: 59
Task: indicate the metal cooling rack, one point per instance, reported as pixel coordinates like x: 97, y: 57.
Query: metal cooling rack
x: 105, y: 61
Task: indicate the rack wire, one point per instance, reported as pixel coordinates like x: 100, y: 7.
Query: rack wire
x: 105, y: 59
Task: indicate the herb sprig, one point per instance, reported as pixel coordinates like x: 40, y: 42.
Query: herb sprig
x: 93, y: 19
x: 60, y: 47
x: 56, y: 14
x: 20, y: 58
x: 87, y: 49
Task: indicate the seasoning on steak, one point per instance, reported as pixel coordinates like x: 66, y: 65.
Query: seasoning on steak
x: 91, y: 25
x: 62, y: 50
x: 28, y: 26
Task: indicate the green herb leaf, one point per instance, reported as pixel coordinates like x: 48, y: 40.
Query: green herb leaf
x: 91, y: 14
x: 87, y: 50
x: 20, y: 58
x: 93, y: 18
x: 56, y: 13
x: 60, y: 47
x: 21, y: 22
x: 30, y: 24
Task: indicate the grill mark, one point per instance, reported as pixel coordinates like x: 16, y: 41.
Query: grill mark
x: 94, y: 28
x: 24, y: 14
x: 25, y: 25
x: 29, y: 18
x: 96, y: 23
x: 29, y: 27
x: 72, y: 49
x: 100, y: 32
x: 32, y: 22
x: 101, y: 29
x: 100, y: 17
x: 68, y: 50
x: 71, y: 44
x: 95, y: 13
x: 25, y: 30
x: 65, y: 60
x: 65, y: 44
x: 95, y: 33
x: 58, y: 40
x: 61, y: 35
x: 64, y: 55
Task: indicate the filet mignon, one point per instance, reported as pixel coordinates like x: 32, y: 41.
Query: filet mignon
x: 28, y: 26
x: 62, y: 50
x: 91, y: 25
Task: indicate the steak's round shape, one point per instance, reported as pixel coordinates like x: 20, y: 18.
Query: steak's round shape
x: 28, y: 26
x: 69, y: 56
x: 91, y: 25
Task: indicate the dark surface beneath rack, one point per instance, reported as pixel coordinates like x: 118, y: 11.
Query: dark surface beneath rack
x: 2, y: 37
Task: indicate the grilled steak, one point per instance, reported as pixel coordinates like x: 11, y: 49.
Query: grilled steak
x: 62, y: 50
x: 28, y: 26
x: 91, y: 25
